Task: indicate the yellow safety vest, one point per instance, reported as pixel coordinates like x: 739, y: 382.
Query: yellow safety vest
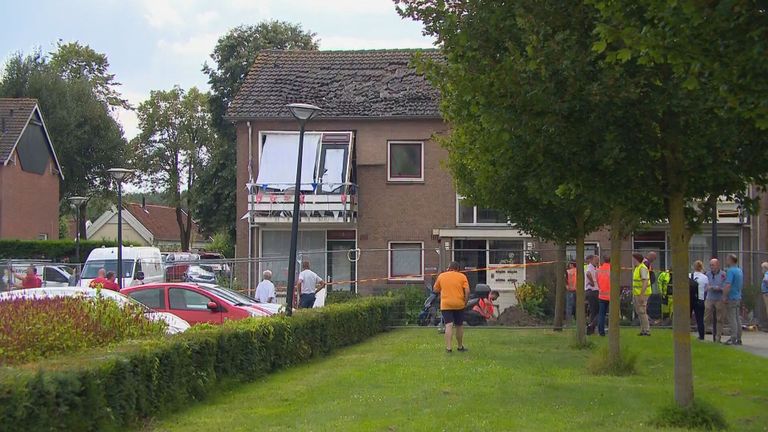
x: 637, y: 281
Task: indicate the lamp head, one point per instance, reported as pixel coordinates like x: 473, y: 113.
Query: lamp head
x: 119, y: 174
x: 303, y: 112
x: 77, y: 201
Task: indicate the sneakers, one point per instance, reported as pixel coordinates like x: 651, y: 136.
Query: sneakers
x: 644, y: 334
x: 462, y: 349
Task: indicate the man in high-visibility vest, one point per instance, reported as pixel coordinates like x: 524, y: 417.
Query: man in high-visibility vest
x: 641, y: 289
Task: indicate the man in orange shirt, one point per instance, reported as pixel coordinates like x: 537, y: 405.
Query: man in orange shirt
x: 604, y: 297
x: 453, y: 287
x: 570, y: 295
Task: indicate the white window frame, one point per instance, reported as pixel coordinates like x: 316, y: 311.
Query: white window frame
x: 389, y: 163
x: 474, y: 217
x: 586, y: 243
x: 389, y: 261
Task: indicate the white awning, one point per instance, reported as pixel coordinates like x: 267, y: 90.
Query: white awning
x: 279, y: 154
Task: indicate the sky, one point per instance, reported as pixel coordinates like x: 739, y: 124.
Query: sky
x: 156, y: 44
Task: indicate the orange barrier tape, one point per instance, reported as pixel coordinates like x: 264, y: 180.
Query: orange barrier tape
x: 406, y: 278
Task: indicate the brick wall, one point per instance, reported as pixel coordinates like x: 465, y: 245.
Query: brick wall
x: 29, y: 203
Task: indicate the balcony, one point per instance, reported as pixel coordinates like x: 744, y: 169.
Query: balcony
x: 321, y: 204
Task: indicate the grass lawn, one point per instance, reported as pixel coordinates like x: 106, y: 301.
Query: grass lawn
x: 526, y: 380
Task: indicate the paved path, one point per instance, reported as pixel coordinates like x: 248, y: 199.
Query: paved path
x: 755, y: 342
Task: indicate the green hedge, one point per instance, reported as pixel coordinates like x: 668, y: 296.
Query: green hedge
x: 109, y: 389
x: 51, y: 249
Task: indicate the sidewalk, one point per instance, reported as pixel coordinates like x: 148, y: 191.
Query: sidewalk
x: 755, y: 342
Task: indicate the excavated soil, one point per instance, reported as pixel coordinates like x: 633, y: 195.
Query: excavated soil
x: 517, y: 317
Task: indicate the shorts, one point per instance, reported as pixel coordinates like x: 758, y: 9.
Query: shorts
x: 453, y: 316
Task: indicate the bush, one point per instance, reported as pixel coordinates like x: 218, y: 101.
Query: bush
x: 531, y: 298
x: 55, y: 250
x: 336, y: 297
x: 413, y: 297
x: 601, y: 364
x: 110, y: 389
x: 700, y: 415
x: 38, y: 328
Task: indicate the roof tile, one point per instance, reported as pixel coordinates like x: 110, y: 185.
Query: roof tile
x: 14, y: 113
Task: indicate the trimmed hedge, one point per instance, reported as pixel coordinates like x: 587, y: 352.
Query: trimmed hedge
x: 109, y: 389
x: 51, y: 249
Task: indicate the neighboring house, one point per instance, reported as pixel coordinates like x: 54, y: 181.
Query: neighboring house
x: 374, y: 185
x: 29, y: 173
x: 146, y: 225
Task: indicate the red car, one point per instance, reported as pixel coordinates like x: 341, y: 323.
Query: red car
x: 199, y: 303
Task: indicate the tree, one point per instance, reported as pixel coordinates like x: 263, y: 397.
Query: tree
x: 718, y: 44
x: 233, y: 56
x: 72, y: 61
x: 171, y: 148
x: 88, y: 141
x: 701, y: 62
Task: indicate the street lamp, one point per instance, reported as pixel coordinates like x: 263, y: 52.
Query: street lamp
x: 119, y: 174
x: 76, y: 202
x: 303, y: 113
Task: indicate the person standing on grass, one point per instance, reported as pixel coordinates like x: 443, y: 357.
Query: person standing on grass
x: 713, y: 299
x: 604, y: 285
x: 641, y: 289
x: 453, y: 288
x: 734, y: 281
x: 265, y: 291
x: 701, y: 282
x: 30, y: 279
x: 308, y: 285
x: 592, y: 292
x: 570, y: 295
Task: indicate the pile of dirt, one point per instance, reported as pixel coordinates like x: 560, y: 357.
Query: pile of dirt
x: 514, y: 316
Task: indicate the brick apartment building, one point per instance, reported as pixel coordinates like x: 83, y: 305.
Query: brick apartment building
x: 377, y: 201
x: 29, y: 173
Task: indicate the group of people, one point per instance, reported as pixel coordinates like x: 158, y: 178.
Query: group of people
x: 104, y: 280
x: 308, y: 285
x: 715, y: 294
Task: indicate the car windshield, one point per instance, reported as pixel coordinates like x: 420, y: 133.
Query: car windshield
x: 91, y: 268
x: 227, y: 294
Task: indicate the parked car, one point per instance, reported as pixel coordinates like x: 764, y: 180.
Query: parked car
x: 199, y: 274
x: 137, y: 261
x: 177, y: 264
x: 175, y: 324
x: 51, y: 275
x: 200, y: 303
x: 218, y: 264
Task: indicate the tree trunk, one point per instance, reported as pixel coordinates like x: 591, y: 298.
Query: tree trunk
x: 559, y: 288
x: 681, y: 318
x: 614, y: 345
x: 183, y: 233
x: 581, y: 319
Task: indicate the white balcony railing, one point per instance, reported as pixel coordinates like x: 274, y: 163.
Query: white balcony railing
x: 318, y: 203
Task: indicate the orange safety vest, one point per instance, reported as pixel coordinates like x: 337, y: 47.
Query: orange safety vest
x: 571, y: 279
x: 604, y: 281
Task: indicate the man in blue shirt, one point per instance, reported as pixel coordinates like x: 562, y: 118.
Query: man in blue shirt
x: 764, y: 285
x: 734, y: 281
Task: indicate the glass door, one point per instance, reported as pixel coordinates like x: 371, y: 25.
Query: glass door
x: 471, y: 256
x: 340, y: 268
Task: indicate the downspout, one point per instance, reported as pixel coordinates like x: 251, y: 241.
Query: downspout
x: 248, y: 201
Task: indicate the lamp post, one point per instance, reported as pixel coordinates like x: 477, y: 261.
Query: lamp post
x: 119, y: 174
x: 76, y: 202
x: 303, y: 113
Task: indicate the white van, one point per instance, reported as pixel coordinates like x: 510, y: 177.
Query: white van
x: 136, y: 260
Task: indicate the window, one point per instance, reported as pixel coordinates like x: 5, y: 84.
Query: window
x: 42, y: 236
x: 324, y: 161
x: 406, y: 260
x: 701, y: 247
x: 406, y: 161
x: 187, y: 299
x: 152, y: 298
x: 52, y: 275
x: 589, y: 249
x: 467, y: 214
x: 505, y: 251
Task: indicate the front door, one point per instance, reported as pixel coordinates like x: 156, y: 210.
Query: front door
x: 340, y: 267
x: 472, y: 257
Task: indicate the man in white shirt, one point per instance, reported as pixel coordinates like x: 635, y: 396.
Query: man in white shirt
x: 265, y: 291
x: 309, y: 283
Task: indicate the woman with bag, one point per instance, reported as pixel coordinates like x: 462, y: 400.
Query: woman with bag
x: 698, y: 283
